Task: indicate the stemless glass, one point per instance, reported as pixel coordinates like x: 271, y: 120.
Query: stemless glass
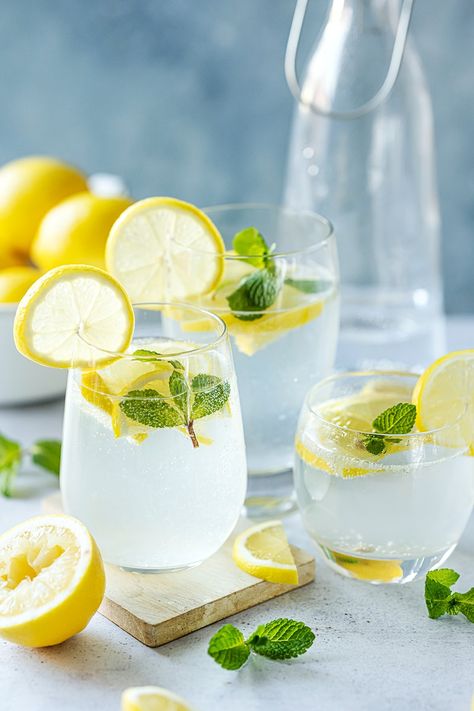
x: 387, y: 517
x: 277, y: 350
x: 153, y: 457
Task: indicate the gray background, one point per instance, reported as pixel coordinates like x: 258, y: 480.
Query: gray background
x: 188, y: 98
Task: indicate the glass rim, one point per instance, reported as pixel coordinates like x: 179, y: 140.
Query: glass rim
x: 161, y: 306
x: 374, y: 373
x: 227, y: 207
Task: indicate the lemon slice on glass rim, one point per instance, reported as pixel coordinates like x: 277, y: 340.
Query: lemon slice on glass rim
x: 444, y: 394
x: 74, y: 316
x: 164, y: 249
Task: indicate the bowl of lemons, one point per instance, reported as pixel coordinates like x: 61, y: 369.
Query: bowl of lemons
x: 50, y: 214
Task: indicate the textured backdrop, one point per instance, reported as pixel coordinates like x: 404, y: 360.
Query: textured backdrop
x: 187, y: 97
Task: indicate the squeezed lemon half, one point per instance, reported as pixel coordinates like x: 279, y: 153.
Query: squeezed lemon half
x: 51, y: 580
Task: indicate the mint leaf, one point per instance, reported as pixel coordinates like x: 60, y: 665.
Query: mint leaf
x: 398, y: 419
x: 148, y: 408
x: 229, y: 648
x: 374, y: 444
x: 46, y: 453
x: 256, y: 292
x: 10, y: 459
x: 211, y: 394
x: 307, y: 286
x: 437, y: 595
x: 146, y: 356
x: 465, y: 603
x: 441, y: 600
x: 251, y: 245
x: 179, y: 388
x: 281, y: 639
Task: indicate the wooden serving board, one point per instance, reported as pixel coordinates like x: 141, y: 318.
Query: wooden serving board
x: 159, y: 608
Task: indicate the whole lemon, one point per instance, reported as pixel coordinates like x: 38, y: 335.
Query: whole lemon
x: 11, y: 258
x: 76, y: 231
x: 29, y: 187
x: 15, y: 282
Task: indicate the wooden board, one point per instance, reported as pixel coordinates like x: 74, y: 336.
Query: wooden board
x: 159, y: 608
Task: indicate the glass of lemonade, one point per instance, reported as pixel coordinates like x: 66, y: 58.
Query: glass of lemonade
x: 279, y: 300
x: 388, y: 512
x: 153, y: 458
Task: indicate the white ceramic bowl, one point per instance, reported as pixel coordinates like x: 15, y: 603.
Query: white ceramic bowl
x: 21, y: 380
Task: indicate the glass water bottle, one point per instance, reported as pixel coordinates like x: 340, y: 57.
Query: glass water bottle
x: 362, y: 152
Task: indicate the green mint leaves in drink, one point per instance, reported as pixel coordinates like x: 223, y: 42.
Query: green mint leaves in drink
x: 190, y: 399
x: 259, y: 290
x: 398, y: 419
x: 307, y: 286
x: 45, y: 453
x: 441, y: 600
x: 278, y: 639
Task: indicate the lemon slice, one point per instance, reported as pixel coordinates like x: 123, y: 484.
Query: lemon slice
x: 74, y: 315
x: 51, y: 580
x: 263, y: 551
x: 164, y: 249
x: 152, y: 698
x: 443, y: 392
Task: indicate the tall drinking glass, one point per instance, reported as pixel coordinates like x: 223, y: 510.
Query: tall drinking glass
x: 153, y: 457
x: 281, y: 345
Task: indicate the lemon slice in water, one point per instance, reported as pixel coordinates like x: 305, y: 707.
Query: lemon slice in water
x: 152, y: 698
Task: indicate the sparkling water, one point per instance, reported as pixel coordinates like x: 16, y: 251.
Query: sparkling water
x: 158, y: 504
x: 408, y: 515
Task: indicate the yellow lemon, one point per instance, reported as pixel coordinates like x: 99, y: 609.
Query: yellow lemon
x: 383, y: 571
x: 29, y: 187
x: 152, y: 698
x: 74, y: 315
x: 443, y: 394
x: 15, y: 281
x: 51, y: 580
x: 263, y: 551
x: 76, y: 230
x: 164, y: 249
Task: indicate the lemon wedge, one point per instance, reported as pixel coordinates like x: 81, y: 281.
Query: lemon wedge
x: 74, y: 315
x: 51, y: 580
x: 263, y: 551
x: 152, y: 698
x: 443, y: 393
x: 164, y: 249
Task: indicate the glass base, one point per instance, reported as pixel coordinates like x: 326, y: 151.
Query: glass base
x: 270, y: 495
x: 157, y: 571
x: 383, y: 571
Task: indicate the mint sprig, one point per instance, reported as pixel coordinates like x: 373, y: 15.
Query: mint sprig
x: 398, y: 419
x: 441, y: 600
x: 190, y: 400
x: 278, y: 639
x: 259, y: 290
x: 45, y: 453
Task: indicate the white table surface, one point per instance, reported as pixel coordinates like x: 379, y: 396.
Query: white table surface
x: 375, y: 647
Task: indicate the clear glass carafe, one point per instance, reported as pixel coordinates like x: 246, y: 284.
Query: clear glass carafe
x: 362, y: 152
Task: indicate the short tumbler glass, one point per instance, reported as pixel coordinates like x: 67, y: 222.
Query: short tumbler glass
x: 153, y: 457
x: 388, y: 517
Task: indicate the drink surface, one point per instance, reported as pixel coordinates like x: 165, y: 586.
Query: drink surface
x: 408, y: 505
x: 152, y: 500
